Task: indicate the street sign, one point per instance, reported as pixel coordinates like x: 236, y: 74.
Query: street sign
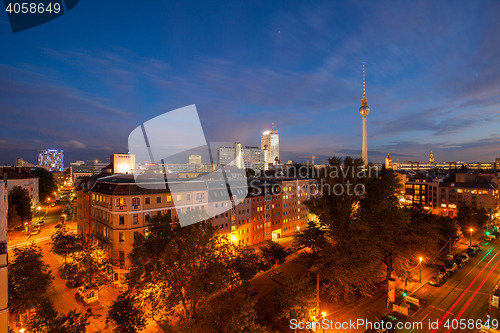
x: 403, y: 309
x: 413, y: 300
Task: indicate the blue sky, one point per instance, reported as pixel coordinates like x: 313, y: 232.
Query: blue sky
x: 84, y: 81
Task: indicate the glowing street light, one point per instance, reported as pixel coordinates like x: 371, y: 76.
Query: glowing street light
x: 38, y: 209
x: 420, y: 264
x: 470, y: 242
x: 233, y: 238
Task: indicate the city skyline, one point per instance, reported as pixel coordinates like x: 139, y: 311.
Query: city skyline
x: 432, y: 79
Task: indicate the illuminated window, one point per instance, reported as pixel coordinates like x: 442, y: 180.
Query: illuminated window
x: 443, y: 205
x: 179, y: 197
x: 459, y: 190
x: 169, y: 198
x: 120, y: 202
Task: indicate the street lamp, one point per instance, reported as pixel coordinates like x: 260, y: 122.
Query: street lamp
x: 38, y: 208
x: 470, y: 241
x: 323, y: 315
x: 420, y: 264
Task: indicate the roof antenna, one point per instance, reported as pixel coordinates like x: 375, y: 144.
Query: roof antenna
x: 273, y: 126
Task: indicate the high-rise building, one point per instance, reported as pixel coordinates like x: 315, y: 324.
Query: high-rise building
x: 270, y: 142
x: 4, y: 309
x: 51, y: 159
x: 431, y: 158
x: 364, y: 110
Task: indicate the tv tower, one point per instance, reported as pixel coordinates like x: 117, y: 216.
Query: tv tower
x: 364, y: 110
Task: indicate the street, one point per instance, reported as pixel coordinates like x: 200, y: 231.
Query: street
x: 462, y: 302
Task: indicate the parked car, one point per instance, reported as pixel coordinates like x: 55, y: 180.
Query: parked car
x: 472, y: 251
x: 35, y: 231
x: 444, y: 271
x: 459, y: 262
x: 477, y: 247
x: 53, y: 204
x: 389, y: 324
x: 451, y: 267
x: 437, y: 280
x: 464, y: 257
x: 41, y: 222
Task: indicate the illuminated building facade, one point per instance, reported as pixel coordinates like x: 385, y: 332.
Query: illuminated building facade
x: 4, y: 308
x: 270, y: 142
x: 115, y: 210
x: 51, y: 159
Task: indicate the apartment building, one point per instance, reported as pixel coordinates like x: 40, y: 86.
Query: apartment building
x: 115, y: 210
x: 444, y: 198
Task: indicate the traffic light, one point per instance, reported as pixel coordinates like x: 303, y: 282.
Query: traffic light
x: 487, y: 233
x: 405, y: 293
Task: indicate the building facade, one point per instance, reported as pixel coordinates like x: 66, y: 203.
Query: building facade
x: 4, y: 308
x: 444, y: 198
x: 24, y: 178
x: 243, y: 157
x: 115, y: 210
x: 51, y: 159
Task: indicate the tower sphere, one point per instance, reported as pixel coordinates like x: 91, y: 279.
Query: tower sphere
x: 364, y: 110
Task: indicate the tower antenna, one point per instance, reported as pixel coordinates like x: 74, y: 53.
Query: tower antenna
x: 364, y: 92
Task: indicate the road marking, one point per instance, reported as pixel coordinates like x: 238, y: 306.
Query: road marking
x: 475, y: 293
x: 37, y: 240
x: 468, y: 287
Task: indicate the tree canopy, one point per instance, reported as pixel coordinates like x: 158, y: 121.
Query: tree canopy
x: 176, y: 265
x: 29, y: 279
x: 46, y: 183
x: 126, y: 314
x: 19, y: 206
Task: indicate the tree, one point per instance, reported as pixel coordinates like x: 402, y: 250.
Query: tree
x: 47, y: 320
x: 469, y: 217
x: 296, y: 299
x: 46, y: 183
x: 128, y: 317
x: 313, y: 237
x: 93, y: 268
x: 182, y: 266
x: 29, y: 279
x: 244, y: 320
x: 274, y: 253
x: 13, y: 218
x: 65, y: 243
x: 247, y: 263
x: 19, y: 206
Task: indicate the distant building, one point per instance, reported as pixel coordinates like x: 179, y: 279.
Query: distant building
x: 123, y: 163
x: 444, y: 198
x: 24, y: 178
x: 4, y: 308
x: 82, y: 169
x: 51, y: 159
x: 388, y: 162
x: 195, y: 159
x: 270, y: 141
x: 431, y: 158
x: 22, y: 163
x: 247, y: 157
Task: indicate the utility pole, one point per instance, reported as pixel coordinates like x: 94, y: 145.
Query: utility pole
x: 317, y: 295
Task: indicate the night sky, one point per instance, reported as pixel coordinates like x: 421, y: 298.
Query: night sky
x: 84, y: 81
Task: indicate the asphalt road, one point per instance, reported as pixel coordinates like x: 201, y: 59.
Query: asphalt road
x: 461, y: 304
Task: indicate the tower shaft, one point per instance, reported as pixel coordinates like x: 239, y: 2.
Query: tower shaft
x: 364, y: 150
